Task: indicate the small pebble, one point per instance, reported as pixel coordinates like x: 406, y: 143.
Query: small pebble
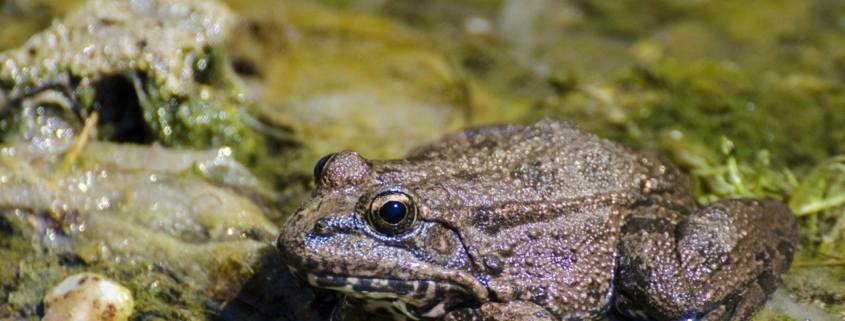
x: 88, y: 297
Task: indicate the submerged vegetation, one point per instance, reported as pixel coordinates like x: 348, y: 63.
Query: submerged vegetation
x: 194, y: 111
x: 820, y: 201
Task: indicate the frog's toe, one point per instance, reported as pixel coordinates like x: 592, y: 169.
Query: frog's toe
x: 753, y: 299
x: 743, y: 310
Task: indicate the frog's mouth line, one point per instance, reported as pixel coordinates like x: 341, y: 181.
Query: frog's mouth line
x: 414, y: 298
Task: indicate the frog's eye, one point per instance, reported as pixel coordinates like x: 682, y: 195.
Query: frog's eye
x: 321, y: 164
x: 392, y: 213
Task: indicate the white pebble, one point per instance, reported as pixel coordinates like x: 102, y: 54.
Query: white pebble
x: 88, y: 297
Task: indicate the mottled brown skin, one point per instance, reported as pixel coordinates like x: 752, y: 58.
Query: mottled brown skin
x: 543, y: 222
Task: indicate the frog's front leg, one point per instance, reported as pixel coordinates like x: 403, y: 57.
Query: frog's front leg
x: 502, y: 311
x: 719, y: 263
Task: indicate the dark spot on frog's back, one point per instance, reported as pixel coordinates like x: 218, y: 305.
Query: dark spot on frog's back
x: 467, y: 176
x: 646, y: 225
x: 486, y: 220
x: 494, y: 264
x: 485, y: 143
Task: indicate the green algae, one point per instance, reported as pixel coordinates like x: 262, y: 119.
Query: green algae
x: 702, y: 101
x: 13, y: 248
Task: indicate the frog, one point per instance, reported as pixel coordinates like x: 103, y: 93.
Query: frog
x: 533, y: 222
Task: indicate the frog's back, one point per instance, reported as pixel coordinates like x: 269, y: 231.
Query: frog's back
x: 549, y: 161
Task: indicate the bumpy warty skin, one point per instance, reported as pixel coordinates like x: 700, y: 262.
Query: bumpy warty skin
x: 542, y: 222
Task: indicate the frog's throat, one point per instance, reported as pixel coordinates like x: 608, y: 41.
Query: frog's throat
x: 414, y: 298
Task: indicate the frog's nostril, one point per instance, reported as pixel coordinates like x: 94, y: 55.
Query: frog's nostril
x: 321, y: 227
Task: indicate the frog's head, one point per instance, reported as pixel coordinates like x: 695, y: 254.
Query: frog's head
x: 370, y: 237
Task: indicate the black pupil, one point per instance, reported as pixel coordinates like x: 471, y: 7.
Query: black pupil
x: 392, y: 212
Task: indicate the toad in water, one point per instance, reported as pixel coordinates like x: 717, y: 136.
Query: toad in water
x: 539, y: 222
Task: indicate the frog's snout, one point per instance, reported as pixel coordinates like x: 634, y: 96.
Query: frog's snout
x: 289, y: 245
